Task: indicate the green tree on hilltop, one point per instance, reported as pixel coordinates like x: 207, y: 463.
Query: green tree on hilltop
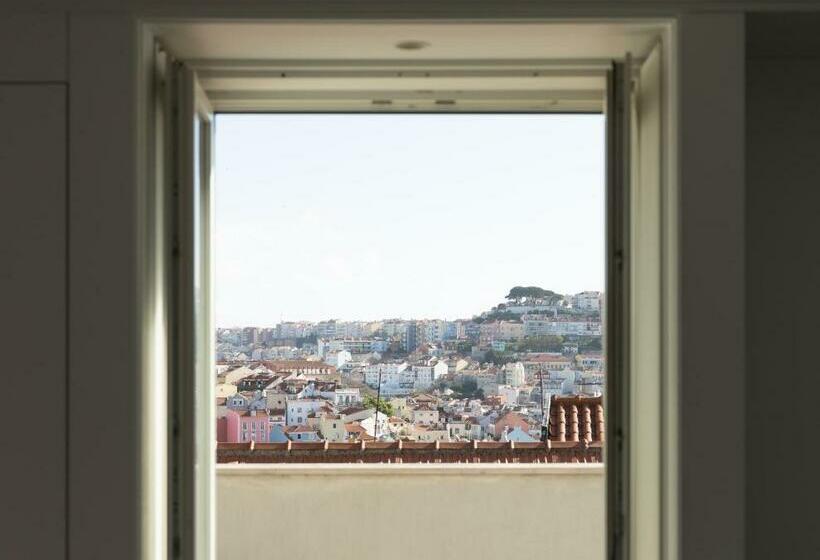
x: 520, y: 293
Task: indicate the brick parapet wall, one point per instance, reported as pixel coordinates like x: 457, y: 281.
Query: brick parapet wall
x: 411, y: 452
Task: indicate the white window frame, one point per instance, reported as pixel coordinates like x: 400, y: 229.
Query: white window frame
x: 662, y: 312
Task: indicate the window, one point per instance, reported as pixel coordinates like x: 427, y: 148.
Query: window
x: 399, y: 339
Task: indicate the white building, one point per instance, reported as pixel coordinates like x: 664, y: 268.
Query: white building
x: 532, y: 307
x: 514, y: 374
x: 508, y: 393
x: 457, y: 429
x: 541, y: 325
x: 387, y: 371
x: 398, y: 379
x: 431, y: 433
x: 224, y: 390
x: 294, y: 330
x: 352, y: 329
x: 563, y: 379
x: 326, y: 329
x: 425, y: 415
x: 375, y: 425
x: 234, y: 376
x: 587, y: 301
x: 297, y: 410
x: 434, y: 330
x: 590, y: 384
x: 338, y: 359
x: 590, y: 361
x: 352, y: 345
x: 343, y: 397
x: 425, y: 376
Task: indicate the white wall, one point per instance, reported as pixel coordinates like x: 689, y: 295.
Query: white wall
x: 372, y: 512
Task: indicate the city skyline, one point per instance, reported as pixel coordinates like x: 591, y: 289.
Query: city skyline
x: 304, y: 238
x: 373, y: 320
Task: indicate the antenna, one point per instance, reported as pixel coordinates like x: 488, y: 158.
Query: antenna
x: 378, y: 401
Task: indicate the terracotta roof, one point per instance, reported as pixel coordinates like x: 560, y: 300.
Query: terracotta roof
x: 358, y: 432
x: 576, y: 418
x: 258, y: 377
x: 295, y: 365
x: 547, y: 359
x: 430, y: 428
x: 354, y: 427
x: 425, y: 407
x: 301, y: 429
x: 247, y: 413
x: 511, y: 417
x: 353, y: 410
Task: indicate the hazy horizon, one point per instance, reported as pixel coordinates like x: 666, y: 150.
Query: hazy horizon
x: 364, y: 217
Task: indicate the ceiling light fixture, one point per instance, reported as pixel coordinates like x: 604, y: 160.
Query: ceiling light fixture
x: 412, y: 45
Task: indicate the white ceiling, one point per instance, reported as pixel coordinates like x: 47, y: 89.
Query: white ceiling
x: 467, y: 66
x: 377, y: 40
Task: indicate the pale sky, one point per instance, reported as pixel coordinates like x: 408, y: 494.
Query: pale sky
x: 372, y: 216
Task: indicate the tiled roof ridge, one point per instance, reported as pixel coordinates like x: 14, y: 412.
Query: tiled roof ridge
x: 576, y: 418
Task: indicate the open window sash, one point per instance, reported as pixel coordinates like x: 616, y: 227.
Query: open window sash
x: 192, y: 448
x: 617, y: 305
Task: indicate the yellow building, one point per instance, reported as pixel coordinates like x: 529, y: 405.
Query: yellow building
x: 332, y: 428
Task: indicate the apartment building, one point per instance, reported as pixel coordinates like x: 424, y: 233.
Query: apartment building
x: 541, y: 325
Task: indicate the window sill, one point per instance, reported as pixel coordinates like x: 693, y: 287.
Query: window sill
x: 410, y: 469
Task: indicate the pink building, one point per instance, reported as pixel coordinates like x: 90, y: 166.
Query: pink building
x: 222, y: 430
x: 243, y: 426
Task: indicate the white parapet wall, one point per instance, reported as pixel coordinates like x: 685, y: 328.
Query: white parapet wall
x: 413, y: 512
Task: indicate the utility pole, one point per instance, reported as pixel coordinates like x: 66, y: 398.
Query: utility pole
x: 545, y: 422
x: 378, y: 401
